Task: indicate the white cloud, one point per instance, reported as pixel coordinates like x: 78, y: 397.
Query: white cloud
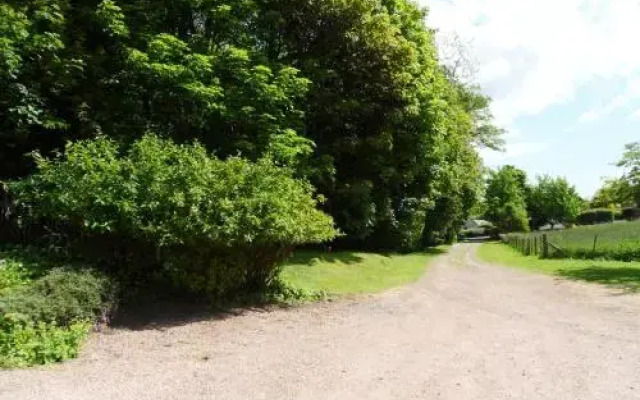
x: 534, y: 54
x: 635, y: 115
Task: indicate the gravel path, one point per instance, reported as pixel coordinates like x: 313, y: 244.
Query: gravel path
x: 464, y: 331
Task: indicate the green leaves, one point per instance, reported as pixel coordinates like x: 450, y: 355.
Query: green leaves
x: 506, y: 200
x: 347, y: 93
x: 631, y: 162
x: 174, y: 195
x: 554, y: 200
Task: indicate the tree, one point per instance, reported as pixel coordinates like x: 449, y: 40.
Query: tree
x: 614, y: 193
x: 555, y: 201
x: 630, y: 161
x: 505, y: 197
x: 350, y: 94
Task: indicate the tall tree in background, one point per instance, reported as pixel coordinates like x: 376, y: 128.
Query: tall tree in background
x: 554, y: 201
x: 506, y: 202
x: 630, y: 161
x: 614, y: 193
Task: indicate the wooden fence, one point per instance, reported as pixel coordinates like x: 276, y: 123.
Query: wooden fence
x: 533, y: 245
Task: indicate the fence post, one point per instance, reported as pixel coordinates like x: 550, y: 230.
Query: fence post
x: 535, y: 245
x: 595, y: 242
x: 545, y: 246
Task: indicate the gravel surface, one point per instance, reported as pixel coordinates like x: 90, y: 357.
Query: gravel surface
x: 464, y: 331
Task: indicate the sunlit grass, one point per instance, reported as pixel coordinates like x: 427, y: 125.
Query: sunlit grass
x: 345, y: 272
x: 615, y: 273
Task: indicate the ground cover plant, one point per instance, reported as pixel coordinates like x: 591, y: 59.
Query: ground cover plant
x: 47, y: 307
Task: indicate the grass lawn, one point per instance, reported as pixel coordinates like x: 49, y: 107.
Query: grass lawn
x: 615, y: 273
x: 344, y: 272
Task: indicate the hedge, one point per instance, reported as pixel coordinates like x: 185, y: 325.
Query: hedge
x: 215, y: 226
x: 596, y: 216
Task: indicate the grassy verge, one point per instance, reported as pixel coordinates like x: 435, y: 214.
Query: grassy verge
x: 615, y: 273
x: 353, y: 272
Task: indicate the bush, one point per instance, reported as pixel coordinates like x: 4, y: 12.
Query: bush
x: 24, y: 342
x: 62, y: 297
x: 216, y: 226
x: 631, y: 213
x: 596, y: 216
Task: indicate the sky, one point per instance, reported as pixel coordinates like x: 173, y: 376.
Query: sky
x: 564, y: 76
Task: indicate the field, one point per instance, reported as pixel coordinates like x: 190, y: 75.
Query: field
x: 353, y: 272
x: 615, y: 241
x: 625, y: 275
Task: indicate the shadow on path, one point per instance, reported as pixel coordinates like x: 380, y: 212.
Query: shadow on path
x: 626, y: 278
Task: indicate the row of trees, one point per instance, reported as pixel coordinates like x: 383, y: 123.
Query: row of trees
x: 513, y: 204
x: 349, y: 94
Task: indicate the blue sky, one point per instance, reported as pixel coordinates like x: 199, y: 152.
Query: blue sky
x: 564, y: 76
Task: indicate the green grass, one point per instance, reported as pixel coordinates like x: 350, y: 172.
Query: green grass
x: 616, y: 241
x: 621, y: 274
x: 343, y: 272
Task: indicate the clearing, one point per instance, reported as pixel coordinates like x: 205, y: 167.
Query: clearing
x: 465, y: 330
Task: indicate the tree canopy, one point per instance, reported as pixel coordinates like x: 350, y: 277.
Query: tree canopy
x: 554, y: 201
x: 630, y: 161
x: 506, y: 199
x: 350, y: 94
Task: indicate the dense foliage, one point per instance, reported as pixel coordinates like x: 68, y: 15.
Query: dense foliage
x: 623, y: 192
x: 62, y: 297
x: 597, y: 216
x: 506, y: 200
x: 24, y: 342
x: 614, y: 193
x: 216, y: 225
x: 513, y: 204
x: 553, y: 201
x: 47, y: 307
x: 282, y: 98
x: 348, y: 93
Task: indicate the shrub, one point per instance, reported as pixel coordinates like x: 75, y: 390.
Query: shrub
x: 62, y: 297
x: 216, y: 226
x: 596, y: 216
x: 25, y: 342
x: 631, y: 213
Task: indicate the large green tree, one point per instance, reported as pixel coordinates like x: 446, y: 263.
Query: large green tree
x: 614, y: 193
x: 554, y: 200
x: 348, y: 93
x: 506, y: 200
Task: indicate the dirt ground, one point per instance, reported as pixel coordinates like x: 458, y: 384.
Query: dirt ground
x: 464, y: 331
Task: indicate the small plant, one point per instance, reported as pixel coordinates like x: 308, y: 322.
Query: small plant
x: 24, y: 342
x: 62, y: 297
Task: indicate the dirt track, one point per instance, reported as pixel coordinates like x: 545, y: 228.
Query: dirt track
x: 465, y: 331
